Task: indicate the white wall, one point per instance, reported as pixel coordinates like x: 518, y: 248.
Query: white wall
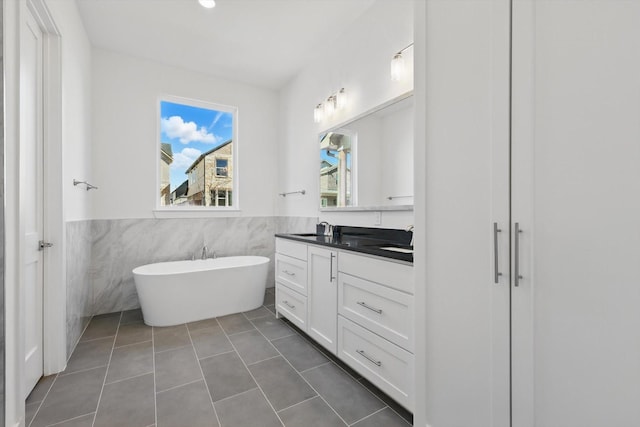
x: 125, y: 134
x: 358, y: 60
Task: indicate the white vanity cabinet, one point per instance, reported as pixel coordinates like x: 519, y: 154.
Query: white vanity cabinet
x: 323, y: 296
x: 375, y: 322
x: 291, y: 281
x: 359, y: 307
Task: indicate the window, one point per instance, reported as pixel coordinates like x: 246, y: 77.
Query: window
x: 198, y: 166
x: 221, y: 167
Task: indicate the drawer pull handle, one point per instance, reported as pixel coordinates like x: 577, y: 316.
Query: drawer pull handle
x: 365, y: 305
x: 287, y: 272
x: 288, y: 305
x: 369, y: 358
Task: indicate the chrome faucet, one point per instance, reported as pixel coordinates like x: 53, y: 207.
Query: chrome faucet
x: 204, y: 252
x: 410, y: 229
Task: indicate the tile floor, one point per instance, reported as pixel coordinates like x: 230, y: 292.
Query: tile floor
x: 243, y: 370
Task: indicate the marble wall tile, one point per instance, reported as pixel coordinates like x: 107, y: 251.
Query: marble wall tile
x: 296, y: 224
x: 121, y: 245
x: 79, y: 287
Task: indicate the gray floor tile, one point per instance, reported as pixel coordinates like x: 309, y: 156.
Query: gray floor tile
x: 127, y: 403
x: 299, y: 352
x: 71, y: 396
x: 271, y: 327
x: 312, y: 413
x: 84, y: 421
x: 345, y: 395
x: 30, y: 411
x: 90, y: 354
x: 41, y: 389
x: 189, y: 405
x: 131, y: 316
x: 203, y: 324
x: 234, y: 323
x: 226, y: 375
x: 176, y: 367
x: 102, y: 326
x: 130, y: 361
x: 210, y: 341
x: 282, y: 385
x: 170, y: 337
x: 395, y: 406
x: 249, y: 409
x: 133, y: 333
x: 271, y: 308
x: 253, y: 347
x: 269, y: 298
x: 258, y: 312
x: 384, y: 418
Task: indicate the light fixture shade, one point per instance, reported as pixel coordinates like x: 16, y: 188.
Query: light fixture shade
x: 207, y: 3
x: 397, y: 67
x: 341, y: 99
x: 330, y: 106
x: 318, y: 113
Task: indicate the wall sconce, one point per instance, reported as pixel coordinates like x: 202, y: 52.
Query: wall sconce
x: 318, y: 113
x: 397, y: 64
x: 334, y: 102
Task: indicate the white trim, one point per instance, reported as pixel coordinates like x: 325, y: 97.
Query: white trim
x: 54, y: 296
x: 204, y: 211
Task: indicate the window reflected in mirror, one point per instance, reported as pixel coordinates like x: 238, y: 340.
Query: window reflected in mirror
x: 336, y: 167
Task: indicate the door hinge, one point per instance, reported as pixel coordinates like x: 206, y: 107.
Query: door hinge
x: 42, y: 245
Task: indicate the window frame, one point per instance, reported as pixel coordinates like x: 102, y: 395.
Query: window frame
x: 175, y: 210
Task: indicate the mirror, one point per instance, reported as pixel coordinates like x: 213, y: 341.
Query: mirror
x: 367, y: 163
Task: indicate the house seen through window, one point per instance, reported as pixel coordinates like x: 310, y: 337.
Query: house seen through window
x: 196, y: 154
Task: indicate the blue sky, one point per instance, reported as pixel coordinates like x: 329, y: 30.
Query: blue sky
x: 191, y: 131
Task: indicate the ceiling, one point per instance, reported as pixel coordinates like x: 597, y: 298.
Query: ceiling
x: 261, y: 42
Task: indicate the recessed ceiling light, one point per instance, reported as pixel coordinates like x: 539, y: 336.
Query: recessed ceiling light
x: 207, y: 3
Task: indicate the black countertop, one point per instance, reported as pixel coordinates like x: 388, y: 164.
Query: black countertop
x: 361, y: 239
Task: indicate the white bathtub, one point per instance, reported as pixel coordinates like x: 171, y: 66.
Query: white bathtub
x: 178, y: 292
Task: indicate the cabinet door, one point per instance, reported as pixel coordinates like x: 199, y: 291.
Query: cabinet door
x: 322, y: 296
x: 576, y: 198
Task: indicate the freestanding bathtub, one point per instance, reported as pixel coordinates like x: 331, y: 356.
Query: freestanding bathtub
x: 176, y: 292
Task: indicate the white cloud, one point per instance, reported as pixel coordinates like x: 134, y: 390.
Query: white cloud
x: 175, y: 127
x: 185, y: 158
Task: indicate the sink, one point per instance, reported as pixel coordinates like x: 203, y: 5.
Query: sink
x: 396, y: 249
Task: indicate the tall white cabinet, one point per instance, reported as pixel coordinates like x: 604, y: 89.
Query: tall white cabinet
x: 533, y: 119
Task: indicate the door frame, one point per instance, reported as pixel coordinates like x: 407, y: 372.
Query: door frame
x: 54, y: 293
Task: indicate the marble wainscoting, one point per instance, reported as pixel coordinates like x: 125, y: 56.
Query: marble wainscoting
x: 79, y: 290
x: 296, y: 224
x: 121, y: 245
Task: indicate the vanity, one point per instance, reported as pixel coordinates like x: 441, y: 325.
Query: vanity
x: 352, y: 292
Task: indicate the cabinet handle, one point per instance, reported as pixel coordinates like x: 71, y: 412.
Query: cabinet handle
x: 288, y: 305
x: 369, y: 358
x: 496, y: 269
x: 365, y: 305
x: 516, y: 281
x: 331, y: 267
x: 287, y: 272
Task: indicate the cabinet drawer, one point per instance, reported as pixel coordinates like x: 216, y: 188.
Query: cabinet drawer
x: 292, y: 272
x: 292, y: 249
x: 291, y: 305
x: 392, y: 274
x: 385, y: 311
x: 386, y: 365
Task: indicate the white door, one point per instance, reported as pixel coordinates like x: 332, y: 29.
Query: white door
x: 322, y: 296
x: 31, y: 195
x: 576, y: 198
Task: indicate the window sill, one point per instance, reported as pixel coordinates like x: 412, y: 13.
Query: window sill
x: 195, y: 212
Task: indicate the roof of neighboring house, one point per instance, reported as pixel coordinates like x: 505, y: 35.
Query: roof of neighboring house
x: 182, y: 190
x: 203, y: 155
x: 165, y: 148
